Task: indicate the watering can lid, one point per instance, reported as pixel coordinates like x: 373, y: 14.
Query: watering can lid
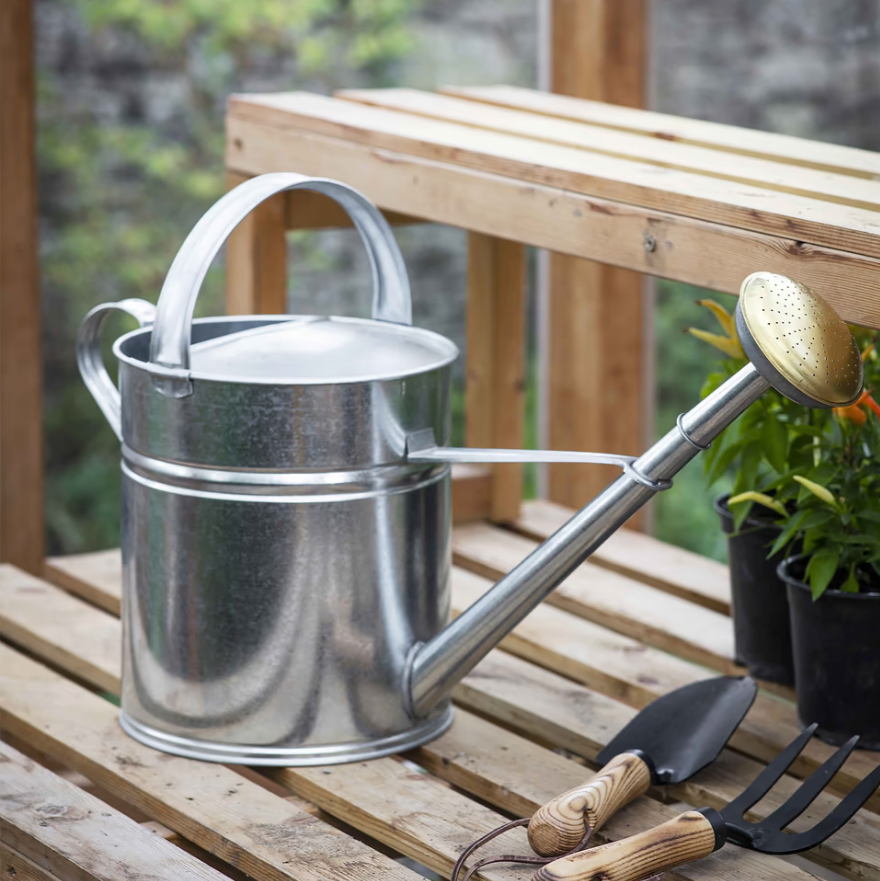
x: 309, y: 349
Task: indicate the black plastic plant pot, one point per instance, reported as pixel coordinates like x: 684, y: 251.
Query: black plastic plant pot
x: 761, y: 625
x: 836, y: 659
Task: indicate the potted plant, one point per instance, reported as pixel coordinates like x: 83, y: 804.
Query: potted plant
x: 771, y: 440
x: 833, y: 511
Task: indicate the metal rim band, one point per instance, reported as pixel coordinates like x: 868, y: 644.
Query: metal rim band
x: 701, y: 447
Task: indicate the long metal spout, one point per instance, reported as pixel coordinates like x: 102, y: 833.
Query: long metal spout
x: 440, y: 664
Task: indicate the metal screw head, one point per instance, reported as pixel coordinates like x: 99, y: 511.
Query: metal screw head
x: 650, y: 243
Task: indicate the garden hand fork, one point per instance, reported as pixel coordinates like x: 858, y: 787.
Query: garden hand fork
x: 698, y: 833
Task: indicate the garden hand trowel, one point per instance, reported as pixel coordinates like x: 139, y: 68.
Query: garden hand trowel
x: 669, y: 741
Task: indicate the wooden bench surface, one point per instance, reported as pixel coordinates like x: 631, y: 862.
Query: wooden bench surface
x: 683, y: 199
x: 638, y: 620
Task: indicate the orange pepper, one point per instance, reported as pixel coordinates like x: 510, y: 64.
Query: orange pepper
x: 870, y: 402
x: 853, y: 413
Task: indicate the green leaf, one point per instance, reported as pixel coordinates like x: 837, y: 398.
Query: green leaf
x: 851, y: 585
x: 786, y: 535
x: 816, y: 518
x: 775, y: 441
x: 740, y: 513
x: 820, y: 571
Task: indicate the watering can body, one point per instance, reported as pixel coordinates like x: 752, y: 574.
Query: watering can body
x: 286, y: 507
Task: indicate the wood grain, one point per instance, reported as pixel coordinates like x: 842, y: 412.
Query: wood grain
x: 792, y: 151
x: 702, y: 253
x: 688, y: 837
x: 716, y: 200
x: 256, y: 259
x: 559, y: 825
x: 517, y: 775
x: 21, y: 416
x: 76, y: 836
x: 604, y: 597
x: 643, y: 558
x: 843, y: 189
x: 231, y: 817
x: 495, y: 379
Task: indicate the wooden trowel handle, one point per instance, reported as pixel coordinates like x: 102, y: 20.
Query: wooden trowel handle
x: 687, y: 837
x: 559, y: 825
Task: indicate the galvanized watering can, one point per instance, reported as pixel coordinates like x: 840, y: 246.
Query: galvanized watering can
x: 286, y: 513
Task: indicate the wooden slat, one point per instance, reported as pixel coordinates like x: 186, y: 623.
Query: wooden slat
x: 742, y: 142
x: 76, y: 836
x: 256, y: 260
x: 219, y: 810
x: 19, y: 867
x: 606, y: 662
x: 21, y: 415
x: 700, y: 253
x: 96, y: 577
x: 307, y: 210
x: 495, y: 381
x: 512, y: 773
x: 707, y: 198
x: 615, y: 601
x: 773, y: 175
x: 664, y: 566
x: 385, y: 800
x: 471, y: 493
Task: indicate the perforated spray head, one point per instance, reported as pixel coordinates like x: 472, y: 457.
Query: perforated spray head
x: 797, y: 342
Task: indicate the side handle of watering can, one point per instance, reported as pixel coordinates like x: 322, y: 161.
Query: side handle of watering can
x: 91, y: 361
x: 169, y: 345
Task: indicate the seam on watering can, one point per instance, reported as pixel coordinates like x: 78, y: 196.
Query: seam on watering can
x: 278, y: 499
x: 376, y: 477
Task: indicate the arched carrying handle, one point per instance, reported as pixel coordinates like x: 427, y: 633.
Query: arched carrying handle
x: 91, y: 361
x: 169, y: 346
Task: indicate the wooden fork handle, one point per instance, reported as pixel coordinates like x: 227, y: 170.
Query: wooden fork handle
x: 687, y: 837
x: 559, y: 825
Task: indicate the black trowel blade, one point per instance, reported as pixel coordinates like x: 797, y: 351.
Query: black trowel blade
x: 685, y: 730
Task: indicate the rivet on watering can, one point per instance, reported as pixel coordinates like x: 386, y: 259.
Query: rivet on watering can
x: 650, y: 243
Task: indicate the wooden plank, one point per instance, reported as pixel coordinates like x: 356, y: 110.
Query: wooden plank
x: 773, y: 175
x: 798, y: 152
x: 96, y: 577
x: 615, y: 601
x: 21, y: 417
x: 706, y: 198
x: 514, y: 774
x: 471, y: 493
x: 596, y: 382
x: 306, y: 210
x: 495, y: 379
x: 610, y: 664
x: 256, y: 260
x: 239, y: 821
x: 416, y: 814
x: 76, y: 836
x: 554, y: 710
x: 664, y: 566
x: 18, y: 866
x: 70, y: 624
x: 704, y: 254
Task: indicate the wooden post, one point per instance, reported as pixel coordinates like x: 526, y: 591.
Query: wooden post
x: 256, y: 259
x: 22, y: 539
x: 495, y: 388
x: 596, y: 336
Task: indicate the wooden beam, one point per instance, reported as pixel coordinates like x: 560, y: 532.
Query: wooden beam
x: 495, y: 386
x: 21, y: 419
x: 596, y: 335
x: 256, y: 259
x: 706, y: 253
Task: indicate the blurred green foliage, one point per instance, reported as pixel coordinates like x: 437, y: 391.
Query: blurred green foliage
x: 120, y: 190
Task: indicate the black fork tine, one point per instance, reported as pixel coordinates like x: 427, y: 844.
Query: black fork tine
x: 809, y: 790
x: 780, y: 842
x: 764, y: 782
